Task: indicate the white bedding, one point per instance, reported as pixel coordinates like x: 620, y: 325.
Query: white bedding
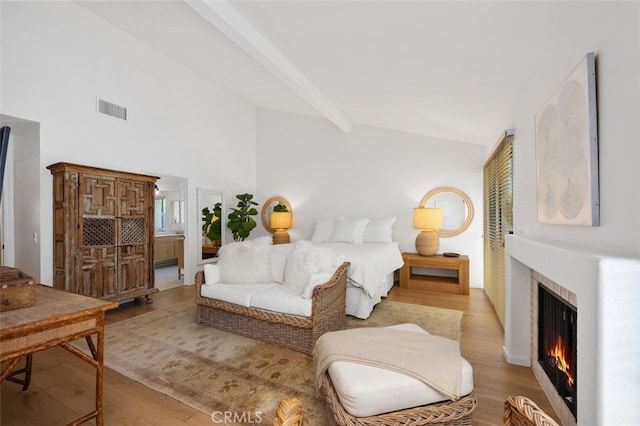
x: 370, y: 276
x: 371, y: 263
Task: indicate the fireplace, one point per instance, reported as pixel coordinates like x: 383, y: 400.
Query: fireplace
x: 557, y: 333
x: 604, y: 288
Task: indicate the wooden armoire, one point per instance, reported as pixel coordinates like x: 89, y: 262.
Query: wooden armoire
x: 103, y: 232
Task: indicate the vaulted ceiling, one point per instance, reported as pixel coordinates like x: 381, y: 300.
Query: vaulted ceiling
x: 448, y: 69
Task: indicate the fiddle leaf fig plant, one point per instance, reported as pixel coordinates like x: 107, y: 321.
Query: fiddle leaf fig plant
x: 212, y: 222
x: 241, y: 222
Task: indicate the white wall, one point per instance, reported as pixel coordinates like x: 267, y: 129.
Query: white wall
x: 612, y: 31
x: 57, y: 58
x: 21, y: 235
x: 368, y: 172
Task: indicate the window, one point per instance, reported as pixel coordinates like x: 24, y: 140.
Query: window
x: 160, y: 214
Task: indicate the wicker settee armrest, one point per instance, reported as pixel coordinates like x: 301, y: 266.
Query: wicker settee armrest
x: 329, y: 299
x: 199, y: 281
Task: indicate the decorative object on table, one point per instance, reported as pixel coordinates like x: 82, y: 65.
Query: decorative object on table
x: 17, y: 289
x: 269, y: 207
x: 281, y: 220
x: 429, y: 221
x: 451, y: 254
x: 567, y: 151
x: 240, y: 221
x: 212, y: 223
x: 456, y: 206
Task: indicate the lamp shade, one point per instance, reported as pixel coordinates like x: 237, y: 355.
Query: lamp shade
x: 428, y: 218
x: 281, y: 220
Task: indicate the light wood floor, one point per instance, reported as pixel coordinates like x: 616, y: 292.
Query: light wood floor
x: 62, y: 386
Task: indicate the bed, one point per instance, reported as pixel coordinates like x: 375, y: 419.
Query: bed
x: 370, y: 276
x: 368, y: 245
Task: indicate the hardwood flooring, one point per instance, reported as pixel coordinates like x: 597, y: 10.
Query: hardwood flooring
x: 62, y: 386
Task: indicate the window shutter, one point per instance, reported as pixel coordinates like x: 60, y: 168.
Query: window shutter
x: 498, y: 219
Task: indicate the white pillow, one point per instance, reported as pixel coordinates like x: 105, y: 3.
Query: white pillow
x: 322, y: 230
x: 304, y: 260
x: 379, y: 230
x: 278, y: 263
x: 211, y: 274
x: 246, y: 262
x: 315, y: 280
x: 348, y: 230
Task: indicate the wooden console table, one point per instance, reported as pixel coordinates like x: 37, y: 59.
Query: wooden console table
x: 56, y: 319
x: 446, y: 284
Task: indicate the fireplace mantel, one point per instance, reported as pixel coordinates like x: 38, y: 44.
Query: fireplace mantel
x: 607, y: 287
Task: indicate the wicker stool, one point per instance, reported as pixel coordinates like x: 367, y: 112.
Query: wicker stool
x: 440, y: 413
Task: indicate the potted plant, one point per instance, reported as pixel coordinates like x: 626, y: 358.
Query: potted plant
x: 240, y: 220
x: 280, y: 207
x: 212, y: 223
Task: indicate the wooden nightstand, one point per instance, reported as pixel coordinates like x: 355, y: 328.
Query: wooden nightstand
x: 446, y: 284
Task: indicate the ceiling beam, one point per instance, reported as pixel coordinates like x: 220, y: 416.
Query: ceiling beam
x: 229, y: 22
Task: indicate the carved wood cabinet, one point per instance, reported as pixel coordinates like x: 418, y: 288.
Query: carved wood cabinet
x: 103, y: 232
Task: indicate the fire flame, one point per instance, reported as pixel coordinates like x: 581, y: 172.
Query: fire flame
x: 557, y: 354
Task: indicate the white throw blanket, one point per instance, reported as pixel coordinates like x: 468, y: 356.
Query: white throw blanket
x: 433, y: 360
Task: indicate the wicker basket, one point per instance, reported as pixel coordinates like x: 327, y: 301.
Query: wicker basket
x: 288, y: 413
x: 440, y: 413
x: 295, y: 332
x: 521, y: 411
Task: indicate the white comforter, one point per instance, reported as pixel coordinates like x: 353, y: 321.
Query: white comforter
x: 370, y: 262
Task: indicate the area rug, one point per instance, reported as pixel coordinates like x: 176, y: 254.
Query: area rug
x: 233, y: 377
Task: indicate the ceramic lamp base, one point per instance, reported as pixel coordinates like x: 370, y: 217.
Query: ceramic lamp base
x: 281, y: 236
x: 427, y: 243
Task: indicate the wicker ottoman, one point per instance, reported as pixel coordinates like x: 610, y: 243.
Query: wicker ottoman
x: 374, y: 394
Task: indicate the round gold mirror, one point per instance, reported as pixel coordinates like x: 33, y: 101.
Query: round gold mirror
x: 457, y: 208
x: 267, y: 209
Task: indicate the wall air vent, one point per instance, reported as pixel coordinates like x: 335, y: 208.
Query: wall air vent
x: 112, y: 109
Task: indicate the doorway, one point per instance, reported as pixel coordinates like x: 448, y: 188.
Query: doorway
x: 20, y: 212
x: 170, y: 221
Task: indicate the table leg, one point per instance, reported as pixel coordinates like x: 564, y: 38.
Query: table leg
x: 99, y: 356
x: 27, y: 373
x: 10, y: 375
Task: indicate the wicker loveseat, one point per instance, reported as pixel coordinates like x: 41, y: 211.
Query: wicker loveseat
x: 293, y: 331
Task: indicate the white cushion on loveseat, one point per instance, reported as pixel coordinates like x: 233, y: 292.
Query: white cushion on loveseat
x: 279, y: 300
x: 239, y: 294
x: 367, y: 391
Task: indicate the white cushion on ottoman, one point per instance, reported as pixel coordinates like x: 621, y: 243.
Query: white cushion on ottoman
x: 367, y: 391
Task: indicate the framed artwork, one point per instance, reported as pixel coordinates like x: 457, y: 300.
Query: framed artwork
x: 566, y: 135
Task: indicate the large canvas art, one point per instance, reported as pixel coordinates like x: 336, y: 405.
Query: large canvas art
x: 567, y: 151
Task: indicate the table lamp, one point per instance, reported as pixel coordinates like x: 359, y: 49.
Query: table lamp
x: 281, y: 221
x: 429, y: 221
